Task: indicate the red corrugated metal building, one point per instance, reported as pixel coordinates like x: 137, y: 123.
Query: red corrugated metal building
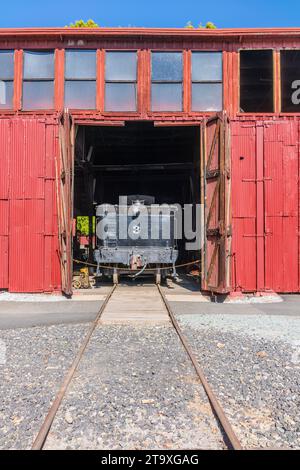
x: 238, y: 89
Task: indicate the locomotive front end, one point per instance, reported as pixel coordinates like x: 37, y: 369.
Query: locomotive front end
x: 136, y: 237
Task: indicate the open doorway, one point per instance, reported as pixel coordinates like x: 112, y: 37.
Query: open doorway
x: 136, y: 159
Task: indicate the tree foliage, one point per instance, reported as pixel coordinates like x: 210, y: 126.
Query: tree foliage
x: 83, y: 224
x: 208, y: 25
x: 83, y: 24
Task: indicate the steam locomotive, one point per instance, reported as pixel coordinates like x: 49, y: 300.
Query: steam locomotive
x: 136, y: 237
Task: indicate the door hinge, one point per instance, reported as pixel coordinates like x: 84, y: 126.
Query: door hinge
x: 46, y: 178
x: 256, y: 180
x: 257, y: 235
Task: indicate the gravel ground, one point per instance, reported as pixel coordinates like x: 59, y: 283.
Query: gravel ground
x: 12, y: 297
x: 253, y: 365
x: 32, y: 364
x: 135, y: 389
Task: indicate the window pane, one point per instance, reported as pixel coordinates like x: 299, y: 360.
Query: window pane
x: 207, y: 97
x: 167, y: 66
x: 80, y: 64
x: 206, y: 66
x: 6, y: 94
x: 166, y: 97
x: 256, y: 81
x: 38, y: 65
x: 6, y: 65
x: 290, y: 81
x: 120, y: 97
x: 80, y: 94
x: 120, y: 66
x: 38, y: 95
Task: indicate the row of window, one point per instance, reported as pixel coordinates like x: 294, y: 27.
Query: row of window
x: 256, y: 80
x: 120, y: 80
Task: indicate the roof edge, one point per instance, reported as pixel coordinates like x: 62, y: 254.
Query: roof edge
x: 146, y: 32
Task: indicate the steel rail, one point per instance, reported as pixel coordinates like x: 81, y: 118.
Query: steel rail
x: 215, y: 404
x: 41, y: 437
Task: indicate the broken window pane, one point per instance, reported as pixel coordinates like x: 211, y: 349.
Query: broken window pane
x: 120, y: 97
x: 167, y: 66
x: 6, y: 65
x: 80, y: 94
x: 207, y: 97
x: 206, y: 66
x: 256, y: 81
x: 120, y: 66
x: 6, y: 94
x: 80, y: 64
x: 290, y: 81
x: 166, y: 97
x: 38, y: 95
x: 38, y: 65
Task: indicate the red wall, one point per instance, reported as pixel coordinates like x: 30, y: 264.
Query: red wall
x: 28, y: 222
x: 265, y: 205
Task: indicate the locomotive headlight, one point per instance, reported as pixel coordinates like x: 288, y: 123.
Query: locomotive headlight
x: 136, y: 229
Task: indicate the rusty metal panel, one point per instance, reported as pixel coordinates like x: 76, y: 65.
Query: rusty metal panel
x: 281, y: 182
x: 4, y: 157
x: 4, y: 204
x: 244, y: 253
x: 28, y: 158
x: 32, y: 226
x: 281, y: 254
x: 51, y: 259
x: 243, y: 170
x: 26, y: 245
x: 244, y: 205
x: 265, y: 205
x: 4, y: 262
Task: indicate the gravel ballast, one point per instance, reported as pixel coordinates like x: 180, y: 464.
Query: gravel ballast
x: 33, y: 362
x: 135, y: 389
x: 253, y: 365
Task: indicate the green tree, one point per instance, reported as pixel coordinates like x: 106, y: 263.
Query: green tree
x: 83, y: 224
x: 209, y: 25
x: 189, y: 25
x: 83, y: 24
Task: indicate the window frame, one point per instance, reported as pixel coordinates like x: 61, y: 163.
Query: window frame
x: 65, y: 80
x: 10, y: 80
x: 285, y: 113
x: 129, y: 82
x: 31, y: 80
x: 274, y: 83
x: 169, y: 82
x: 221, y: 82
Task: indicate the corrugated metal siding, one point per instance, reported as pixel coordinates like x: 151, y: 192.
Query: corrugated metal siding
x: 281, y: 167
x: 275, y: 228
x: 28, y: 226
x: 3, y: 244
x: 267, y: 219
x: 244, y: 205
x: 4, y: 193
x: 26, y: 245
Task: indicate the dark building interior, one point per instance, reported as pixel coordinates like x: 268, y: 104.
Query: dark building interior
x: 138, y: 158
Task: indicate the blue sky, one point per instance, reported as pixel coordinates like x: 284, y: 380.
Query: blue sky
x: 155, y: 13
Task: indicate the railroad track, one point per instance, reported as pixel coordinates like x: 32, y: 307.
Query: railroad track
x: 231, y: 438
